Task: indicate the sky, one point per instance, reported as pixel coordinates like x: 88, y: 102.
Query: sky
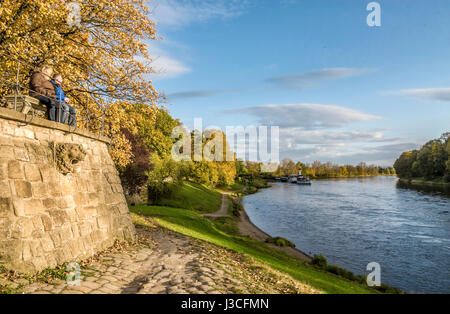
x: 338, y: 89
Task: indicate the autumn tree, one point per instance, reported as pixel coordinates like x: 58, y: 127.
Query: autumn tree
x: 102, y: 53
x: 288, y: 167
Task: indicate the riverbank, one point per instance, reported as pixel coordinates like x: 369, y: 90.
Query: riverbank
x: 419, y: 182
x: 248, y: 228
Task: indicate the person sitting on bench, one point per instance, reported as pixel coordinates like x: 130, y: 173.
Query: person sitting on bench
x: 68, y: 111
x: 42, y: 89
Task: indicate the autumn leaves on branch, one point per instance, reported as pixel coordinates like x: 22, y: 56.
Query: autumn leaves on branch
x: 103, y: 58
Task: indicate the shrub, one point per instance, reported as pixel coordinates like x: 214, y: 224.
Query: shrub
x: 279, y: 241
x: 134, y: 175
x: 319, y: 261
x: 236, y: 212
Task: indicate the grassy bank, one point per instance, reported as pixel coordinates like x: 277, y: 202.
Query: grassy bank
x: 423, y: 182
x: 195, y: 197
x: 224, y: 232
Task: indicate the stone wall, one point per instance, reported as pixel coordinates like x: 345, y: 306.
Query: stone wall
x: 60, y: 195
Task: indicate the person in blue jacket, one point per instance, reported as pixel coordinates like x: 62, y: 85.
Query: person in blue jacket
x: 68, y: 111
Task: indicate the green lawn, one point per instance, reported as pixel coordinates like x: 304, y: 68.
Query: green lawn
x: 196, y: 197
x: 223, y: 233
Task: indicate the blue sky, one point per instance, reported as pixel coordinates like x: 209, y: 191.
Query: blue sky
x: 340, y: 90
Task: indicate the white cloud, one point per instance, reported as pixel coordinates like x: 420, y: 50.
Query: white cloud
x: 189, y: 94
x: 163, y: 64
x: 442, y: 94
x: 176, y: 13
x: 306, y: 116
x: 313, y: 78
x: 292, y: 138
x: 167, y: 67
x: 383, y: 155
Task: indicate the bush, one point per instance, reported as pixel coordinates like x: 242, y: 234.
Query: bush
x: 319, y: 261
x: 134, y: 175
x: 342, y: 272
x: 279, y: 241
x: 236, y: 212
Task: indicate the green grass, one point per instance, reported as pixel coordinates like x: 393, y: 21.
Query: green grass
x: 196, y: 197
x: 235, y: 187
x: 224, y: 233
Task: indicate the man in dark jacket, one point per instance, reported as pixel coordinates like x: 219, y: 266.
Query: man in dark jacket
x: 42, y: 89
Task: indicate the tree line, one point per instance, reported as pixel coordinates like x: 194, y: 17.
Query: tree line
x: 430, y: 162
x: 321, y: 170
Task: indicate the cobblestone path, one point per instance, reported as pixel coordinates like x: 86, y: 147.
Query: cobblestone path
x: 173, y: 264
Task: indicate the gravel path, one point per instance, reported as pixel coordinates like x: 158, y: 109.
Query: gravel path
x: 223, y: 211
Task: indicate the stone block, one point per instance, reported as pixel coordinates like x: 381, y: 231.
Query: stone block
x: 3, y: 169
x: 33, y: 207
x: 6, y: 208
x: 39, y: 262
x: 15, y: 169
x: 46, y: 222
x: 19, y: 208
x: 48, y: 174
x: 7, y: 152
x: 5, y: 190
x: 5, y: 228
x: 32, y: 172
x: 21, y: 154
x: 23, y: 189
x: 47, y: 244
x: 39, y: 189
x: 22, y: 228
x: 49, y: 203
x: 103, y: 222
x: 6, y: 141
x: 59, y: 217
x: 65, y: 202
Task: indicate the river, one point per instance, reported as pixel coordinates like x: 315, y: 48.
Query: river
x: 353, y: 222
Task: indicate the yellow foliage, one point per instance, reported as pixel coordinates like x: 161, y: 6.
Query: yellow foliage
x: 104, y: 59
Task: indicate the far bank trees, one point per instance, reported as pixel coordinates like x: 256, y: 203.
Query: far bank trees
x: 431, y: 162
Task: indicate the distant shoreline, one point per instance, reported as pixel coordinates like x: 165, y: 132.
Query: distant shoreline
x: 354, y: 177
x: 416, y: 183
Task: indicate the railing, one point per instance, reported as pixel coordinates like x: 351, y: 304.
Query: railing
x: 87, y: 120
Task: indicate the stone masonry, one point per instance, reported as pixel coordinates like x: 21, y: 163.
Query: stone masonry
x: 49, y: 214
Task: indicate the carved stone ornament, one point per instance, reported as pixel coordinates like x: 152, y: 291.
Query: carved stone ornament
x: 68, y: 155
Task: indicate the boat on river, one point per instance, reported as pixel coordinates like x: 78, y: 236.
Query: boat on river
x: 302, y: 180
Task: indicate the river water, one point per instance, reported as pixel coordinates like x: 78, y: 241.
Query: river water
x: 353, y: 222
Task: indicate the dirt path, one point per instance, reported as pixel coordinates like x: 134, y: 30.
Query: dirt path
x: 223, y: 211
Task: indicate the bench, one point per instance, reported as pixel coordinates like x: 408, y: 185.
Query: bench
x: 24, y: 103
